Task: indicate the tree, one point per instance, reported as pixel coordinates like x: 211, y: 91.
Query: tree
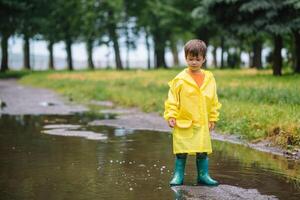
x: 49, y: 29
x: 277, y: 18
x: 112, y: 13
x: 185, y: 25
x: 68, y: 20
x: 91, y: 28
x: 228, y: 27
x: 206, y: 27
x: 161, y: 21
x: 252, y: 17
x: 9, y: 21
x: 134, y: 10
x: 30, y: 24
x: 294, y: 24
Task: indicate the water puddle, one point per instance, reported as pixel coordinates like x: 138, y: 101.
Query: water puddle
x: 72, y: 130
x: 61, y: 157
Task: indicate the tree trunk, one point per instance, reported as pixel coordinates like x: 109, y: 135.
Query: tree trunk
x: 51, y: 59
x: 127, y: 44
x: 148, y: 50
x: 159, y: 56
x: 226, y: 58
x: 159, y: 51
x: 26, y: 49
x: 297, y: 51
x: 114, y: 37
x: 68, y: 42
x: 4, y: 50
x: 291, y: 55
x: 277, y: 58
x: 174, y: 53
x: 116, y: 50
x: 127, y: 54
x: 214, y: 54
x: 222, y: 53
x: 257, y: 51
x: 89, y: 49
x: 107, y: 57
x: 250, y: 55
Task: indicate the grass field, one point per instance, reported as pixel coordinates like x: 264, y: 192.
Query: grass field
x: 256, y: 105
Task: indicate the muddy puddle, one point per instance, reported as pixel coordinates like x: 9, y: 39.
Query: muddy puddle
x: 61, y: 157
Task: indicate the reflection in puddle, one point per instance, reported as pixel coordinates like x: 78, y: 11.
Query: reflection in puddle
x: 70, y: 130
x: 178, y: 192
x: 122, y: 132
x: 86, y: 134
x: 62, y: 126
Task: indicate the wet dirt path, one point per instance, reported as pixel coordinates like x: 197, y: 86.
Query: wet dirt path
x: 22, y: 100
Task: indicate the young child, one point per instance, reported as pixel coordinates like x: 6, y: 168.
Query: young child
x: 192, y: 110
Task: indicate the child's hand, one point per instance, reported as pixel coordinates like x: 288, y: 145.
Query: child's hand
x: 211, y: 126
x: 172, y: 122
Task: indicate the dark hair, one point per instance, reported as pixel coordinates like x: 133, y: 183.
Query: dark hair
x: 194, y: 48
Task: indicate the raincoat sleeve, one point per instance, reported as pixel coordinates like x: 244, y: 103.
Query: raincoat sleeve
x: 172, y: 102
x: 215, y: 106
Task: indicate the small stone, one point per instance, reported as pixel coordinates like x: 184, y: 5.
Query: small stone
x: 47, y: 104
x: 2, y: 104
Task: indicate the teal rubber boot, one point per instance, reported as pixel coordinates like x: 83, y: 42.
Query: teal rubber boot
x: 202, y: 170
x: 179, y: 171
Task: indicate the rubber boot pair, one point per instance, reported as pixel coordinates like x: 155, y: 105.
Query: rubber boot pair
x: 202, y: 170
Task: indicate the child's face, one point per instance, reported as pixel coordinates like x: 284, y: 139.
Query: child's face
x: 195, y: 62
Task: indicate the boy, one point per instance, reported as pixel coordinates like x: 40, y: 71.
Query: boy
x: 192, y: 110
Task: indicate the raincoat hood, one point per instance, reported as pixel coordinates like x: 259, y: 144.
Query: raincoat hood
x: 185, y: 76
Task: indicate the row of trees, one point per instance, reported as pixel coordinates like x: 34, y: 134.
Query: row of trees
x: 235, y: 26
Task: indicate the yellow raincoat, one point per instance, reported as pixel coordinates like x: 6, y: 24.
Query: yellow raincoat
x: 193, y: 108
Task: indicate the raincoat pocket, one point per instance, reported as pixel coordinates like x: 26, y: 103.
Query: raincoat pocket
x: 183, y: 123
x: 183, y: 129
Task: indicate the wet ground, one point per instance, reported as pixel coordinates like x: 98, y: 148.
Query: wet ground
x: 66, y: 157
x: 21, y: 100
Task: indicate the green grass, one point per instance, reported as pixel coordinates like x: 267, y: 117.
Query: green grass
x: 14, y: 74
x: 256, y: 105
